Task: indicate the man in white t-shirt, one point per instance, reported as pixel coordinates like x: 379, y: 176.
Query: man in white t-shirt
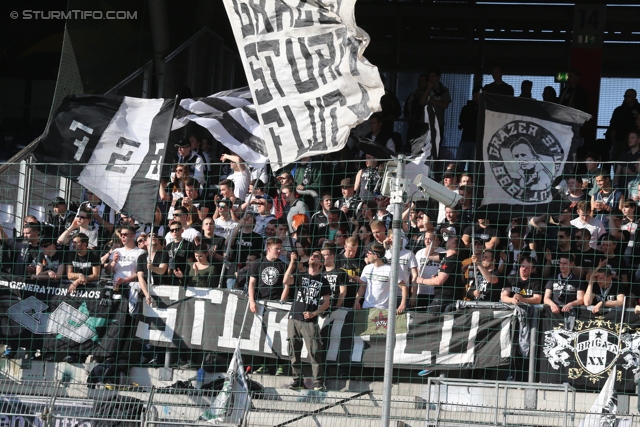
x: 428, y: 260
x: 585, y: 220
x: 374, y: 282
x: 224, y: 225
x: 189, y: 233
x: 123, y: 261
x: 407, y: 260
x: 240, y: 176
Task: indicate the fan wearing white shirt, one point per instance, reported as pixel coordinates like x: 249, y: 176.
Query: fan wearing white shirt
x: 180, y: 215
x: 123, y: 261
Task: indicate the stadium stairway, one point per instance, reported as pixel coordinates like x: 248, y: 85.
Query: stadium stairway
x: 354, y: 402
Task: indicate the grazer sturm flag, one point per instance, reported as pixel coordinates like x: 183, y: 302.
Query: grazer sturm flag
x: 231, y: 118
x: 525, y: 144
x: 305, y: 66
x: 113, y: 146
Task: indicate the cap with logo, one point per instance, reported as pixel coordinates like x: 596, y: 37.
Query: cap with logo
x: 57, y: 201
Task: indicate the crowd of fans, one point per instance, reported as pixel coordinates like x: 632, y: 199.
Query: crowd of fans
x: 318, y: 234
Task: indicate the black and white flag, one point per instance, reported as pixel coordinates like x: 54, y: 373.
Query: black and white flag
x: 305, y: 66
x: 231, y: 118
x: 603, y: 412
x: 113, y: 146
x: 525, y: 144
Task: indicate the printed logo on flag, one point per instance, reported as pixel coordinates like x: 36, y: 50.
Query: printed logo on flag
x: 597, y: 350
x: 592, y: 348
x: 525, y: 159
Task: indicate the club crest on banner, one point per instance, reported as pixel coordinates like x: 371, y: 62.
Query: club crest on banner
x: 525, y: 159
x: 594, y: 346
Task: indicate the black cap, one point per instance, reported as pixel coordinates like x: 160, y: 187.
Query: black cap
x: 57, y: 201
x: 183, y: 143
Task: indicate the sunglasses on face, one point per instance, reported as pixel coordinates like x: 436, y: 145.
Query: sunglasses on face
x: 126, y: 234
x: 140, y: 241
x: 82, y: 217
x: 175, y: 230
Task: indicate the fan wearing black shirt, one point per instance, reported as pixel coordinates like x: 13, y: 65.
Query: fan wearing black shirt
x: 607, y: 293
x: 266, y: 276
x: 180, y: 252
x: 337, y: 278
x: 585, y: 255
x: 566, y: 289
x: 613, y: 261
x: 483, y: 283
x: 349, y: 262
x: 83, y: 265
x: 50, y: 261
x: 484, y: 232
x: 311, y: 287
x: 554, y: 252
x: 245, y: 241
x: 522, y: 289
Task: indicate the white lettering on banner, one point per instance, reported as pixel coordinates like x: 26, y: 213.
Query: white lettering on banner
x: 505, y: 332
x: 171, y: 292
x: 336, y: 319
x: 82, y: 145
x: 168, y: 315
x: 274, y: 327
x: 154, y: 167
x: 227, y: 340
x: 444, y: 357
x: 400, y: 354
x: 65, y: 320
x: 197, y: 328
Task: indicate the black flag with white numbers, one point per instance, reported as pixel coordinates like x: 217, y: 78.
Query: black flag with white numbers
x: 113, y: 146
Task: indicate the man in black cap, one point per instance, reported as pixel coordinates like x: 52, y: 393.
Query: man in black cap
x: 349, y: 203
x: 195, y: 162
x: 60, y: 219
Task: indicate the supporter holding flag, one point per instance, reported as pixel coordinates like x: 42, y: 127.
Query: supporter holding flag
x: 483, y: 284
